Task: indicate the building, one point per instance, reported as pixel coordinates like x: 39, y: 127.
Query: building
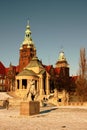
x: 46, y: 78
x: 34, y: 71
x: 2, y: 77
x: 62, y: 80
x: 62, y: 72
x: 31, y: 68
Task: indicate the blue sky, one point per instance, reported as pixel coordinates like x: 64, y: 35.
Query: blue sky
x: 54, y: 24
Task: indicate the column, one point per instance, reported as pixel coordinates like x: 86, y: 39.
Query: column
x: 37, y: 86
x: 20, y: 84
x: 41, y: 86
x: 47, y: 85
x: 27, y: 84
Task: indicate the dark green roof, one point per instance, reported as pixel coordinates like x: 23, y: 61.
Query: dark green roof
x: 35, y: 62
x: 26, y: 72
x: 42, y: 72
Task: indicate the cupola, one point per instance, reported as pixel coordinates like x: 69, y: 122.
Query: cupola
x: 62, y: 62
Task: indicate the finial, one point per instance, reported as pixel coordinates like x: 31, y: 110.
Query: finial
x: 27, y: 26
x: 28, y: 22
x: 61, y: 48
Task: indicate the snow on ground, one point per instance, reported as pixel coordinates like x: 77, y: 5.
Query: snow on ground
x: 50, y: 118
x: 4, y: 96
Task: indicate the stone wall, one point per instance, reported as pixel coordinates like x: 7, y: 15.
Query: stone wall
x: 77, y: 103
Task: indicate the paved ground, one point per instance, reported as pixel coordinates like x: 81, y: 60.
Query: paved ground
x: 50, y: 118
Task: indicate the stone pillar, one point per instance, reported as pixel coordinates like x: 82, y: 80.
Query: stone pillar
x: 20, y: 84
x: 41, y: 86
x: 47, y: 85
x: 27, y: 84
x: 37, y: 86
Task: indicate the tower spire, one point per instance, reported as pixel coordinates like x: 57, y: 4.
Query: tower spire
x: 27, y: 49
x: 27, y: 31
x: 27, y: 38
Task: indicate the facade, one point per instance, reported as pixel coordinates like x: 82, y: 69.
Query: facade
x: 2, y: 77
x: 7, y: 77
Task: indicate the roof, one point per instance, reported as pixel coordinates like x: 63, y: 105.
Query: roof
x: 42, y: 72
x: 35, y: 62
x: 73, y: 78
x: 2, y: 69
x: 62, y: 62
x: 26, y: 72
x: 57, y: 70
x: 48, y: 68
x: 28, y: 40
x: 17, y: 68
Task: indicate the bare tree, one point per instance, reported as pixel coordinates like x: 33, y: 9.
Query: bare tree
x: 83, y: 64
x: 81, y: 82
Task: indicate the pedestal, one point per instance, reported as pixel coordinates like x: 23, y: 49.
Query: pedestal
x: 29, y: 108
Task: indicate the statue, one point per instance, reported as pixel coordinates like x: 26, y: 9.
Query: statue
x: 29, y: 103
x: 32, y: 93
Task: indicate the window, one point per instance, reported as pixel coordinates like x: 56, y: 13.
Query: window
x: 24, y: 83
x: 59, y: 100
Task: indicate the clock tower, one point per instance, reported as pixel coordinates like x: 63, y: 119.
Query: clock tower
x: 27, y: 49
